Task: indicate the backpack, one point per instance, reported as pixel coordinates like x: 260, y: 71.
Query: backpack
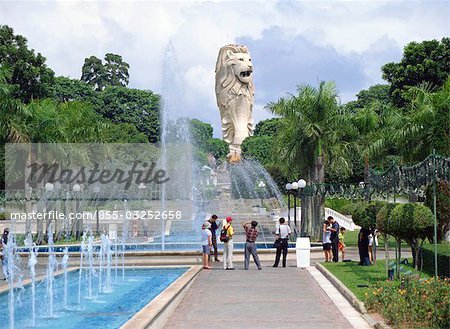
x: 224, y: 234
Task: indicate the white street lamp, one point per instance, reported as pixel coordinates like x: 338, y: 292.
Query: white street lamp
x: 261, y: 184
x: 49, y: 187
x: 288, y: 186
x: 295, y: 186
x: 76, y: 188
x: 301, y: 183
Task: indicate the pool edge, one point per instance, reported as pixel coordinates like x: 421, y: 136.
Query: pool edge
x: 157, y: 312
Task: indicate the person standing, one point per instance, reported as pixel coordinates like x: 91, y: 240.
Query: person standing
x: 283, y: 232
x: 228, y: 245
x: 251, y: 233
x: 206, y: 244
x: 326, y: 241
x: 213, y: 229
x: 4, y: 242
x: 334, y: 229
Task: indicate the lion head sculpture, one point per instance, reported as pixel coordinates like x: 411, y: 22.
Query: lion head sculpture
x: 235, y: 93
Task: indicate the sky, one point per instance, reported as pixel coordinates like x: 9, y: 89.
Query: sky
x: 291, y: 42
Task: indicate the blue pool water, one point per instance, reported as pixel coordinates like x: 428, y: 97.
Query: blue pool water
x: 104, y: 310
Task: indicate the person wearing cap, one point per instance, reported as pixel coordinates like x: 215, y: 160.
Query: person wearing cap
x: 251, y: 233
x: 228, y: 246
x: 206, y: 244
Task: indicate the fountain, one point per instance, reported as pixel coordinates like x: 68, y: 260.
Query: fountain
x: 189, y: 195
x: 32, y: 261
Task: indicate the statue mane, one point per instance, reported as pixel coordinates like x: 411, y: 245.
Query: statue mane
x: 227, y: 84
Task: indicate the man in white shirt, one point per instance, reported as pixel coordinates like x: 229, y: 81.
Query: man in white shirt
x: 283, y: 232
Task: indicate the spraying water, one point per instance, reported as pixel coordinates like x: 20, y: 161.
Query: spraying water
x: 82, y: 253
x: 51, y: 267
x: 64, y: 264
x: 32, y: 261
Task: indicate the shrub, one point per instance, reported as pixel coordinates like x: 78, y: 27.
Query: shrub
x: 413, y: 303
x: 365, y: 215
x: 384, y: 218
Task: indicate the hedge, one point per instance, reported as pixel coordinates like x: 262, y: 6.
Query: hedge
x: 443, y: 259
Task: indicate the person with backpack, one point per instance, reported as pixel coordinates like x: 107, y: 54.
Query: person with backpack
x: 226, y: 236
x: 251, y: 233
x: 283, y: 231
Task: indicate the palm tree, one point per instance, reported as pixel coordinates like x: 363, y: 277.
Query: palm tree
x: 313, y: 136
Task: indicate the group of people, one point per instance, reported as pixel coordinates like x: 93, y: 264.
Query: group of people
x: 333, y: 240
x: 209, y: 242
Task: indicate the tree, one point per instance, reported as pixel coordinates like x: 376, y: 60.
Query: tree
x: 66, y: 89
x: 310, y: 139
x: 133, y: 106
x: 218, y: 148
x: 412, y: 222
x: 384, y: 225
x: 116, y: 70
x: 259, y: 148
x: 93, y: 73
x: 201, y: 133
x: 427, y: 61
x: 268, y: 127
x: 365, y: 215
x: 425, y: 125
x: 365, y: 98
x: 113, y: 73
x: 30, y: 77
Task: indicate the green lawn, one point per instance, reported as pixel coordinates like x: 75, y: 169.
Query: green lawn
x: 352, y: 275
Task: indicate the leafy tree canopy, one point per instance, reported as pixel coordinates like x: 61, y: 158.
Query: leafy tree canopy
x: 427, y: 61
x: 377, y: 93
x: 201, y: 133
x: 218, y: 148
x: 269, y: 127
x: 259, y: 148
x: 114, y: 72
x: 30, y: 77
x: 133, y: 106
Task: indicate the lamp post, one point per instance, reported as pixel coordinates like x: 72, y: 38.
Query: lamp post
x: 301, y: 185
x: 261, y: 186
x: 76, y: 188
x: 294, y: 192
x: 289, y: 188
x: 96, y: 190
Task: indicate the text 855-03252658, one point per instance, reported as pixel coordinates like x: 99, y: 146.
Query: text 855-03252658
x: 141, y: 214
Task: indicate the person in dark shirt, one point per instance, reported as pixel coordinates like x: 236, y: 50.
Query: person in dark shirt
x: 213, y: 228
x: 334, y: 229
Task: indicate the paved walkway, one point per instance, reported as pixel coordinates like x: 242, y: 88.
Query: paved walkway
x: 272, y: 298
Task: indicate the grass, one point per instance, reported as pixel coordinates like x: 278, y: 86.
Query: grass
x: 352, y: 275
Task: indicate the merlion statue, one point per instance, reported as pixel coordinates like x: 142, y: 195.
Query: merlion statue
x: 234, y: 93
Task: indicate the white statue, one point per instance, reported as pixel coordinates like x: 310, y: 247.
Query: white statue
x: 234, y: 93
